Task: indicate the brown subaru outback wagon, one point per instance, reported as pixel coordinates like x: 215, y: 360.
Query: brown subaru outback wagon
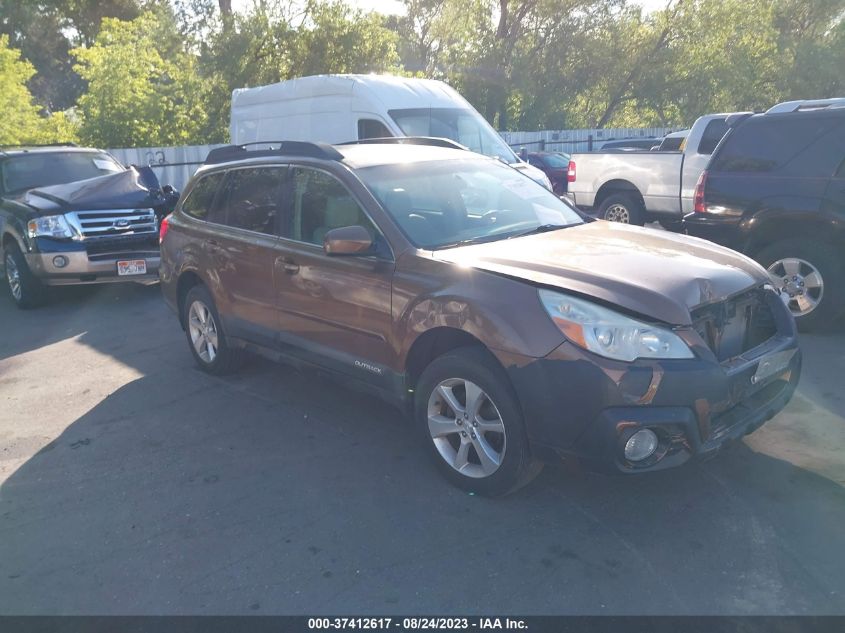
x: 511, y: 327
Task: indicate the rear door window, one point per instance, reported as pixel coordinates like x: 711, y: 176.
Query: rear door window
x: 200, y: 201
x: 769, y: 143
x: 254, y: 198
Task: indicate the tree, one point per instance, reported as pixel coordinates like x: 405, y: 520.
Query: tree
x: 336, y: 39
x: 143, y: 87
x: 46, y: 31
x: 21, y: 122
x: 274, y: 41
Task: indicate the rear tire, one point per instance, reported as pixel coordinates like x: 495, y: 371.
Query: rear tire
x: 483, y: 447
x: 623, y: 208
x: 206, y: 339
x: 810, y: 276
x: 25, y: 289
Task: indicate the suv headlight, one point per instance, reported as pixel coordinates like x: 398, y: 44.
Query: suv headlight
x: 608, y: 333
x: 49, y: 226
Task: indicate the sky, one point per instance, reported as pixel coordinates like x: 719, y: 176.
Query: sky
x: 396, y: 6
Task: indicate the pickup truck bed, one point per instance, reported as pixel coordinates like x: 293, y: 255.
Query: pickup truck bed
x: 637, y: 186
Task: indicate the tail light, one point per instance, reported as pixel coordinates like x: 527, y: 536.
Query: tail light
x: 570, y: 172
x: 699, y: 205
x: 162, y: 230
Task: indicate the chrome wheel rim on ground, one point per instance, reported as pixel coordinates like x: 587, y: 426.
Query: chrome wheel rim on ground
x: 617, y: 213
x: 203, y: 331
x: 466, y: 428
x: 13, y: 276
x: 799, y: 283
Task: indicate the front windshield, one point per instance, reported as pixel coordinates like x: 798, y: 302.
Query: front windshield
x: 42, y: 169
x: 462, y: 125
x: 447, y: 203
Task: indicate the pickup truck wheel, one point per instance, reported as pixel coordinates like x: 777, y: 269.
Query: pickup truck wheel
x: 206, y: 339
x: 810, y: 278
x: 472, y: 424
x: 622, y: 208
x: 26, y: 289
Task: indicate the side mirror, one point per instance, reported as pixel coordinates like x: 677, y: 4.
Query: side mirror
x: 347, y: 240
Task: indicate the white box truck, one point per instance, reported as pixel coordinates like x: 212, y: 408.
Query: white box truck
x: 344, y: 108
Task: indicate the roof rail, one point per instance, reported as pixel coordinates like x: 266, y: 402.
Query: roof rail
x: 27, y: 145
x: 807, y: 104
x: 285, y: 148
x: 432, y: 141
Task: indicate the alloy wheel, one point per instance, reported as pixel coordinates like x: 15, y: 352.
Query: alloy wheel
x: 466, y: 428
x: 203, y: 331
x: 799, y: 283
x: 617, y: 213
x: 13, y: 276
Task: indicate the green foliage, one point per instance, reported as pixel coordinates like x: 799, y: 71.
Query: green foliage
x: 272, y: 42
x: 155, y: 72
x: 46, y: 30
x: 143, y: 88
x: 20, y: 121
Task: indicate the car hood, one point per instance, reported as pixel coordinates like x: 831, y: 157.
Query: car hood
x: 532, y: 172
x: 651, y: 272
x: 133, y: 188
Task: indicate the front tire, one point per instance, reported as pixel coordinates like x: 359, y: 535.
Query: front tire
x: 472, y: 424
x: 26, y: 289
x: 206, y: 338
x: 810, y: 277
x: 623, y: 208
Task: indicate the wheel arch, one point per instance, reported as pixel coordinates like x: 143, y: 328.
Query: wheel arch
x: 768, y: 231
x: 187, y: 280
x: 434, y: 343
x: 617, y: 186
x: 7, y: 239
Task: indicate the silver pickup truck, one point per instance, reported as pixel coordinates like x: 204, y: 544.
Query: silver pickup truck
x: 638, y: 186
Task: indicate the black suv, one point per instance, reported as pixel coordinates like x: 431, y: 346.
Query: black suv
x: 775, y: 190
x: 71, y: 215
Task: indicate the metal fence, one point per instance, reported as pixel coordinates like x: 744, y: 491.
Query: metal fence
x: 172, y: 165
x: 175, y: 165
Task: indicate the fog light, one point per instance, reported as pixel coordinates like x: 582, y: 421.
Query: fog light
x: 641, y: 445
x: 60, y: 261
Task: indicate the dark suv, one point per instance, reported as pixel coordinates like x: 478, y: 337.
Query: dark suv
x: 775, y: 190
x: 499, y: 316
x: 71, y: 215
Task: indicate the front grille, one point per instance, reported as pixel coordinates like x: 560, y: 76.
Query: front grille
x: 732, y: 327
x: 113, y: 222
x: 144, y: 242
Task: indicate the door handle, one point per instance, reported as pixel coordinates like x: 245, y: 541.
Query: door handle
x: 288, y: 265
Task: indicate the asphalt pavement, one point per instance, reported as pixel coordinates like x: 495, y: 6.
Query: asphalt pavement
x: 132, y: 483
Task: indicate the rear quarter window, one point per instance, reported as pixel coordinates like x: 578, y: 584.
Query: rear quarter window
x: 200, y: 200
x: 711, y: 136
x: 769, y: 144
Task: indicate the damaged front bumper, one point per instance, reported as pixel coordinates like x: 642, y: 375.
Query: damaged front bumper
x: 578, y: 404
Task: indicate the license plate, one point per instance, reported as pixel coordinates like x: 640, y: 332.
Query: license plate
x: 132, y: 267
x: 772, y: 364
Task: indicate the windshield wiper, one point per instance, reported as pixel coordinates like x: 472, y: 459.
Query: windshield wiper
x: 543, y: 228
x: 472, y: 240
